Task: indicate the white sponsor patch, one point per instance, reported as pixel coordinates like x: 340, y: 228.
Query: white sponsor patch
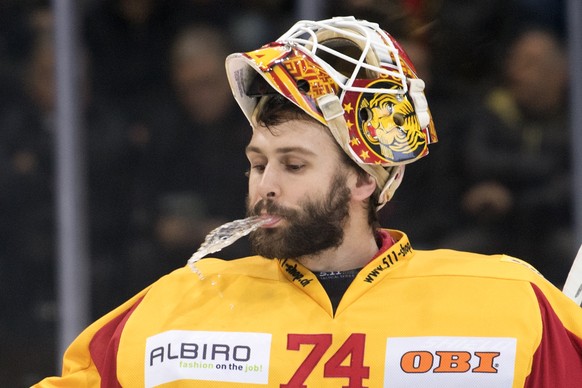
x: 449, y: 362
x: 207, y: 355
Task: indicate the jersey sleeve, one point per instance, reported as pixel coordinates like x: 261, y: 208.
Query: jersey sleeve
x: 91, y: 359
x: 557, y: 361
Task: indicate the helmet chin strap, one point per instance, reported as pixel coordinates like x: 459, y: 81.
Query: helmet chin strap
x: 387, y: 178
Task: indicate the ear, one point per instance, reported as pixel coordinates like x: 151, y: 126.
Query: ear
x: 364, y: 187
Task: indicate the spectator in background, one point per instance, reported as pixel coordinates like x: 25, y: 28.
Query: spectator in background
x: 198, y: 158
x: 130, y: 42
x: 208, y: 127
x: 518, y: 152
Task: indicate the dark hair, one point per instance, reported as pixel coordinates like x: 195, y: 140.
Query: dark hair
x: 276, y: 109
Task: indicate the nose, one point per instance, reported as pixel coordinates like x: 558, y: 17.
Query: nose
x: 269, y: 187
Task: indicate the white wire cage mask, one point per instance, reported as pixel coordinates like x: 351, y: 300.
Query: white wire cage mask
x: 379, y: 57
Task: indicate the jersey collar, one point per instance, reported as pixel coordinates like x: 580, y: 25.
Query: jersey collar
x: 394, y: 251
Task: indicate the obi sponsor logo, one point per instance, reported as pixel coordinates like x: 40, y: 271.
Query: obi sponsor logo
x: 206, y: 355
x: 449, y: 361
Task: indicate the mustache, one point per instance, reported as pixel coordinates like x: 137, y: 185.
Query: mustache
x: 270, y: 207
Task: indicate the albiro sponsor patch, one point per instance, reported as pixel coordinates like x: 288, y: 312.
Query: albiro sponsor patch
x: 449, y: 362
x: 207, y: 355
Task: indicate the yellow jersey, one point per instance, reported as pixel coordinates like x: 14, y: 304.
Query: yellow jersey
x: 409, y: 318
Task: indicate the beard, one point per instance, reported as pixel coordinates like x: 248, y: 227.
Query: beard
x: 317, y: 226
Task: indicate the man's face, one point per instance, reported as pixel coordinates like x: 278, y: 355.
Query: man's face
x: 202, y: 88
x: 297, y: 177
x: 537, y: 73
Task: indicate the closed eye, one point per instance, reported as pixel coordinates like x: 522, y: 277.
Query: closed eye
x: 258, y: 167
x: 294, y: 167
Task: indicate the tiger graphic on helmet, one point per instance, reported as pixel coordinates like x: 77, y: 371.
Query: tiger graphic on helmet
x: 388, y: 124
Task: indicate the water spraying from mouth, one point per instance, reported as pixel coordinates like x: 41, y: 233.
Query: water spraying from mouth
x: 224, y: 236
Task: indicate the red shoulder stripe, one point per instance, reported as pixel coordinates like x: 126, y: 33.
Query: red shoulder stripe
x: 104, y: 346
x: 558, y: 360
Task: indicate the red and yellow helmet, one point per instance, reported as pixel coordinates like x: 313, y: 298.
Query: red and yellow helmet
x: 351, y: 76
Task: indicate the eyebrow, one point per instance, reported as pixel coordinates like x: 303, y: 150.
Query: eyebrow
x: 282, y: 150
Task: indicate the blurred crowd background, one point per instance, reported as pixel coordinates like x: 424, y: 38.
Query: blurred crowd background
x: 163, y: 141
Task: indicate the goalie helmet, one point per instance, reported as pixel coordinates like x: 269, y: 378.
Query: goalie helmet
x: 354, y: 78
